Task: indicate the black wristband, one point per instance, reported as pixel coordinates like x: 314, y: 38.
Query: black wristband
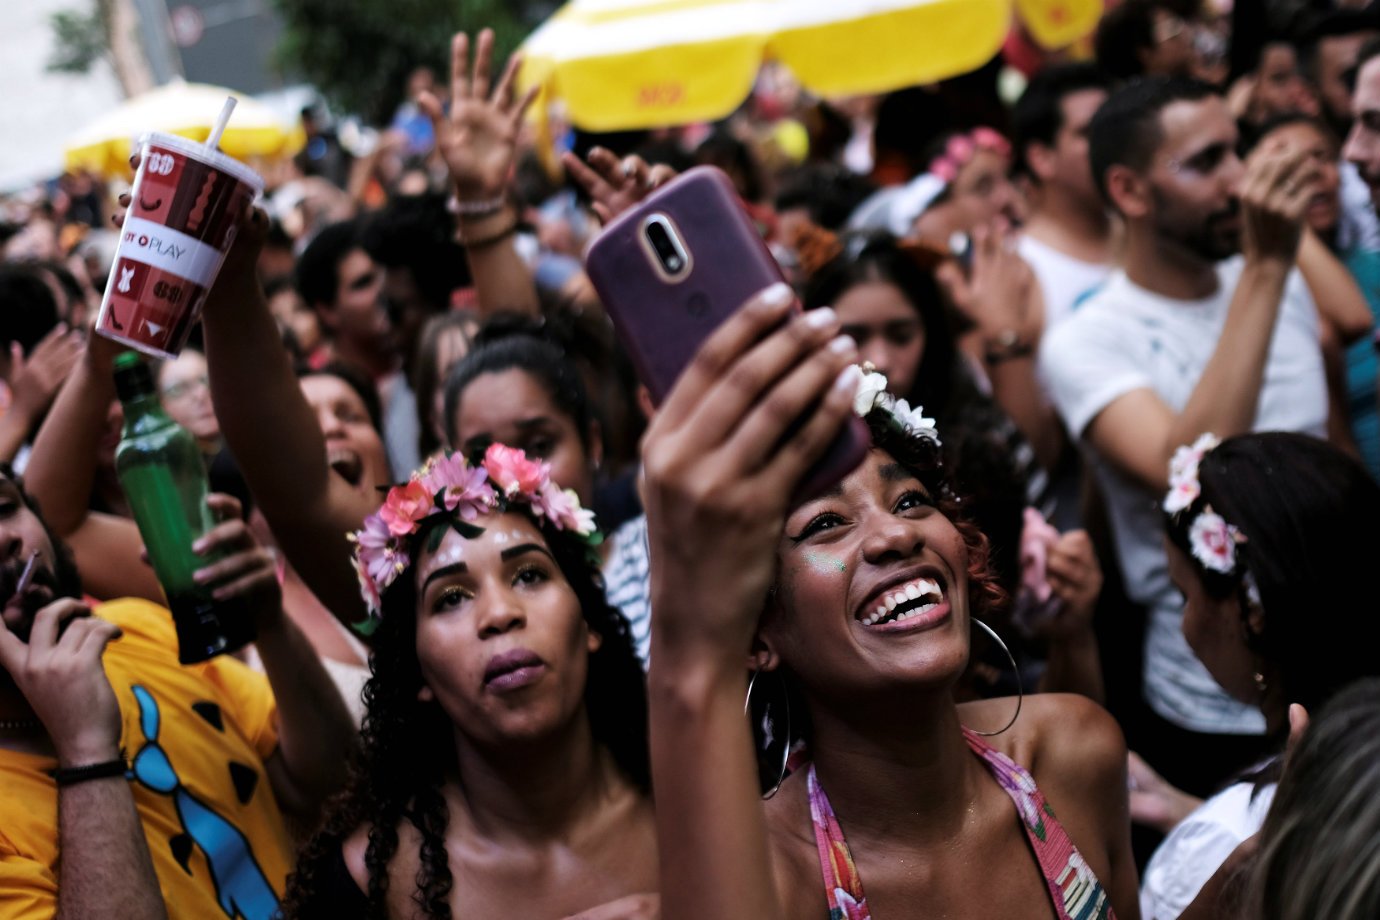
x: 68, y: 776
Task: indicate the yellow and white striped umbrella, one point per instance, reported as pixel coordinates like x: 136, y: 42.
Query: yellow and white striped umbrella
x: 622, y: 64
x: 255, y: 133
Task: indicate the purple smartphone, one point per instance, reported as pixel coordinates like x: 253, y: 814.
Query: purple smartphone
x: 670, y: 270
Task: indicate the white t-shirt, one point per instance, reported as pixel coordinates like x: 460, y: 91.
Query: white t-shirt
x: 1197, y: 847
x: 1125, y: 338
x: 1064, y: 281
x: 1358, y: 227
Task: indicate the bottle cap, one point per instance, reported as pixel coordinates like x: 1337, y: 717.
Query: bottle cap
x: 133, y: 378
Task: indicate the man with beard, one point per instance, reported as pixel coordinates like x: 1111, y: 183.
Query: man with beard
x: 134, y: 787
x: 1363, y: 142
x: 1206, y: 328
x: 1328, y: 55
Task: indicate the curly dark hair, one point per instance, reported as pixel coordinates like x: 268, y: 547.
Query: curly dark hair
x: 407, y: 749
x: 922, y: 458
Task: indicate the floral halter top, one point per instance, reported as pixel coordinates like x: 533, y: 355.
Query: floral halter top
x: 1075, y: 891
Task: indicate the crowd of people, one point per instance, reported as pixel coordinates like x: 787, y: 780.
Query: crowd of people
x: 1084, y: 635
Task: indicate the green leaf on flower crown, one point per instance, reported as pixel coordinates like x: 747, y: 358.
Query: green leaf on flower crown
x: 366, y: 626
x: 465, y: 529
x: 434, y: 537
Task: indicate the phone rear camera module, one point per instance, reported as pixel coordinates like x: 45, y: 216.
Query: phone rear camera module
x: 666, y: 245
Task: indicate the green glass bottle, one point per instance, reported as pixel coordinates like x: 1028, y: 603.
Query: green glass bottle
x: 164, y: 480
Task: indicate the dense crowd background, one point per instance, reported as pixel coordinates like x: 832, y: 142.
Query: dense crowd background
x: 1078, y: 264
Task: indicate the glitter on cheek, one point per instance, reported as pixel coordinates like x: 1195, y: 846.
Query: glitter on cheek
x: 822, y: 563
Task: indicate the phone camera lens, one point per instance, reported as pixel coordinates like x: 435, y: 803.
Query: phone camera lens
x: 665, y: 245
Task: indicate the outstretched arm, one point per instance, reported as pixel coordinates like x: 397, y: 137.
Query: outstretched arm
x: 275, y: 436
x: 315, y: 730
x: 717, y: 497
x: 62, y: 469
x: 34, y: 383
x: 1341, y: 305
x: 478, y: 139
x: 1002, y: 299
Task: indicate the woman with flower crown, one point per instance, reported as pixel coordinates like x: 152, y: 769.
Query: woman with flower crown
x: 504, y: 765
x: 1268, y: 538
x: 852, y: 609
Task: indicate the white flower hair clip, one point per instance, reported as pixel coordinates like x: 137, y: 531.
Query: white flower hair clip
x: 872, y: 394
x: 1183, y: 473
x: 1212, y: 540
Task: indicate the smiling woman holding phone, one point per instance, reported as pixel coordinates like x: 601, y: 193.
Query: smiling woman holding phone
x: 854, y: 610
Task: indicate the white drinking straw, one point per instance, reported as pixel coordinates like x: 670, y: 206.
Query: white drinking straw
x: 221, y: 121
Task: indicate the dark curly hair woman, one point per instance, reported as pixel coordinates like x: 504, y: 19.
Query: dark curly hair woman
x: 504, y: 766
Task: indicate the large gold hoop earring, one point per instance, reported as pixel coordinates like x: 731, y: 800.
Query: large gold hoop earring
x: 1020, y: 689
x: 767, y: 730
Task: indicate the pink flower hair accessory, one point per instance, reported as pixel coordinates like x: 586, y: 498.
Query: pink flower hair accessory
x: 450, y: 494
x: 1214, y: 541
x: 1211, y: 539
x: 961, y: 148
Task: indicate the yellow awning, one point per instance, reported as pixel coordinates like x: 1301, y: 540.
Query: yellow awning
x: 623, y: 64
x: 255, y: 133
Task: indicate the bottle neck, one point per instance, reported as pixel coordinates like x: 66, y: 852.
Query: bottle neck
x: 143, y: 410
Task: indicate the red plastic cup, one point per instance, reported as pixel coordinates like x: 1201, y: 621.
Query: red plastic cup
x: 180, y: 224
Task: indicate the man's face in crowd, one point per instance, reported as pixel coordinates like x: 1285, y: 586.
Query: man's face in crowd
x: 1363, y: 143
x: 1336, y: 57
x: 1280, y: 87
x: 1171, y: 50
x: 21, y: 535
x: 359, y: 315
x: 1069, y: 166
x: 1194, y: 180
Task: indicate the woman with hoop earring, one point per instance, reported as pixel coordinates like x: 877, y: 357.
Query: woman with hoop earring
x: 856, y: 607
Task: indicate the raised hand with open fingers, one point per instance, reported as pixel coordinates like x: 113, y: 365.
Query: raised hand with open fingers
x: 478, y: 137
x: 616, y: 185
x: 1275, y: 192
x: 36, y: 379
x: 722, y: 461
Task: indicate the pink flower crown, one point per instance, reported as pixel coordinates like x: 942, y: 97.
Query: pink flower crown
x: 961, y: 148
x: 449, y: 487
x: 1211, y: 538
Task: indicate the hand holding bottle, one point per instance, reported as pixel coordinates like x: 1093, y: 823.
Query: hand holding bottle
x: 243, y: 569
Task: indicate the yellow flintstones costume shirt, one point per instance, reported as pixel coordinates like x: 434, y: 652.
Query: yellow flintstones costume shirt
x: 197, y: 738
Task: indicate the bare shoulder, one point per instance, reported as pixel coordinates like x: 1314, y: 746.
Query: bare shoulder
x: 1066, y: 741
x: 1077, y: 740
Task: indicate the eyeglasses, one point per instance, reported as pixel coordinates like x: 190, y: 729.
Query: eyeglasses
x: 180, y: 391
